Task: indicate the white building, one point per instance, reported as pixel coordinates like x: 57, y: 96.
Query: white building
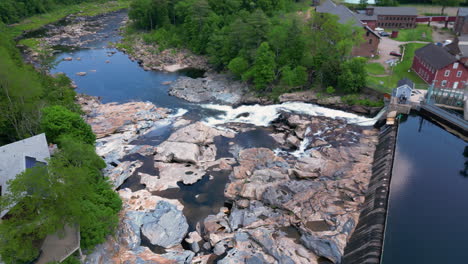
x: 19, y: 156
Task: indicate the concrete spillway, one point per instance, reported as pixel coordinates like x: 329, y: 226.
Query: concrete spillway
x: 366, y: 243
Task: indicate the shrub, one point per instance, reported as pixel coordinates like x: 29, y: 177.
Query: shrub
x: 238, y: 66
x: 330, y: 90
x: 58, y: 121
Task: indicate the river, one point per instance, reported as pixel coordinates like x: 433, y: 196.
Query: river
x: 427, y: 218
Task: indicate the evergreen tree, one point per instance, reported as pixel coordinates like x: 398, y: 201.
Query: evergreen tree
x: 263, y: 70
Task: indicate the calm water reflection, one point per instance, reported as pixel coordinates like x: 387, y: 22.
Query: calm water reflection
x: 428, y: 210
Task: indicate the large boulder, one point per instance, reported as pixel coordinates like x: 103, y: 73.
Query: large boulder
x: 166, y: 226
x: 170, y: 151
x: 198, y: 133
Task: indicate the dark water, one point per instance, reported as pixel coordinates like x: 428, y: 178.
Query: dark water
x: 200, y: 199
x: 428, y: 210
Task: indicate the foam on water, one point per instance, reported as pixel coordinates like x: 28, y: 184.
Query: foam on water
x: 263, y: 115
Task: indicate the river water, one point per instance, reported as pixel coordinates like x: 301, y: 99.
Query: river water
x: 113, y: 77
x: 428, y: 211
x: 428, y: 206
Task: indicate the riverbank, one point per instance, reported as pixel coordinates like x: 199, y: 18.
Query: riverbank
x: 218, y: 180
x: 84, y: 10
x: 271, y: 185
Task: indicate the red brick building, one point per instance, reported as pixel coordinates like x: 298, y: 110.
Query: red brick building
x: 388, y: 17
x: 370, y: 45
x: 436, y: 65
x: 461, y: 23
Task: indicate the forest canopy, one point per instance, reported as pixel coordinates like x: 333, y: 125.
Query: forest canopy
x: 270, y: 43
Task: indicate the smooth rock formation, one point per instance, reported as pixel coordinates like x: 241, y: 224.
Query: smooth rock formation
x: 166, y: 226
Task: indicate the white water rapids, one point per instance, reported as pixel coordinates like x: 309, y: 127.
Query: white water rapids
x: 263, y: 115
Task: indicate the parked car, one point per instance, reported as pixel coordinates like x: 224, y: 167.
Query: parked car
x: 384, y: 34
x: 396, y: 54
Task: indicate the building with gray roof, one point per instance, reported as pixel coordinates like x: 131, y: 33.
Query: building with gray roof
x: 369, y: 47
x: 389, y: 16
x: 19, y: 156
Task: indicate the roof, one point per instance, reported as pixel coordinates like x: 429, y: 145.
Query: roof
x: 344, y: 14
x: 463, y: 11
x: 363, y: 16
x: 387, y: 10
x: 459, y: 46
x: 14, y: 156
x: 405, y: 81
x: 396, y: 10
x: 437, y: 57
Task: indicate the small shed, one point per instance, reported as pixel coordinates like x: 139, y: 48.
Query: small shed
x: 404, y: 88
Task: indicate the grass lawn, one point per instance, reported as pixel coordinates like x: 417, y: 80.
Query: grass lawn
x: 84, y: 9
x: 415, y: 34
x: 400, y: 71
x: 375, y: 68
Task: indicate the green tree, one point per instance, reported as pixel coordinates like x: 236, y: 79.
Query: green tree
x: 263, y: 70
x: 238, y: 66
x: 58, y: 121
x: 293, y: 78
x: 353, y: 75
x: 70, y: 190
x: 362, y: 4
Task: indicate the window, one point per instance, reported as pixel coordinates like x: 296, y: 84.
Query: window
x: 459, y: 73
x: 447, y: 73
x: 455, y: 65
x: 370, y: 41
x: 444, y: 82
x: 367, y: 33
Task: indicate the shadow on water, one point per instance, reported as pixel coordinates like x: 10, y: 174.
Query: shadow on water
x: 133, y: 182
x: 200, y: 199
x: 192, y: 72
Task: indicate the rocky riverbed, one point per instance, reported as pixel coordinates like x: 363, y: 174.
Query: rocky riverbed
x: 294, y: 200
x: 255, y: 184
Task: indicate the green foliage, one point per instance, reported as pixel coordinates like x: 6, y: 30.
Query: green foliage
x: 293, y: 78
x: 375, y: 68
x: 420, y: 33
x: 71, y: 260
x: 149, y: 14
x: 70, y: 190
x: 12, y: 11
x: 354, y: 99
x: 386, y: 2
x: 353, y: 75
x: 330, y: 90
x: 263, y: 70
x: 164, y: 37
x: 57, y: 121
x: 238, y: 66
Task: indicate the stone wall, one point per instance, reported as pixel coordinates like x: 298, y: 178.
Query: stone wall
x: 365, y: 244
